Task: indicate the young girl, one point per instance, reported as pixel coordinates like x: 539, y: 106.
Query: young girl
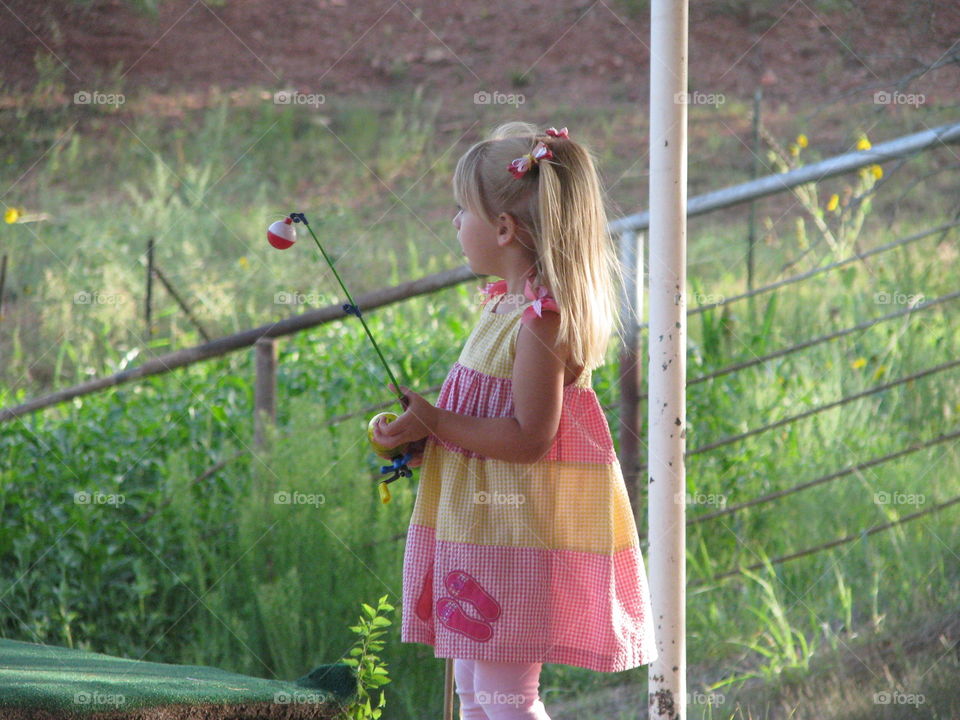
x: 522, y: 547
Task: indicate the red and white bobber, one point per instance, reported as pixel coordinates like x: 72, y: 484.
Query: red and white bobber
x: 282, y: 234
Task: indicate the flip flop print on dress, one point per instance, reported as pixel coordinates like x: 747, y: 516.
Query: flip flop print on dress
x: 464, y: 586
x: 425, y: 601
x: 453, y: 617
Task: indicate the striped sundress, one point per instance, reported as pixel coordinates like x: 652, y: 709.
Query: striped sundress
x: 524, y: 562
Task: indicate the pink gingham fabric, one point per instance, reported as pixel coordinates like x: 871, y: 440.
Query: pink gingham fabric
x: 533, y: 562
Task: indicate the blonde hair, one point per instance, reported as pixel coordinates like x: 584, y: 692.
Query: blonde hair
x: 560, y: 204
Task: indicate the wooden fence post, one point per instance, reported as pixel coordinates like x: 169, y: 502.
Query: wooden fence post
x: 752, y: 227
x: 181, y: 302
x: 149, y: 301
x: 264, y: 389
x: 3, y: 281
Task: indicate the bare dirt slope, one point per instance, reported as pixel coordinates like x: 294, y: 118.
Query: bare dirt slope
x: 800, y: 51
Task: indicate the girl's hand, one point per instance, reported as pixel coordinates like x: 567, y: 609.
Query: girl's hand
x: 416, y: 450
x: 416, y: 423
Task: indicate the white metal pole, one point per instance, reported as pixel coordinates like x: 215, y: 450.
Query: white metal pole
x: 666, y: 507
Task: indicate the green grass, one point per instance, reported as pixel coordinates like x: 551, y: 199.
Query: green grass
x: 215, y: 572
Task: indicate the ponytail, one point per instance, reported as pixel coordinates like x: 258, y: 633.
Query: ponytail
x: 560, y: 203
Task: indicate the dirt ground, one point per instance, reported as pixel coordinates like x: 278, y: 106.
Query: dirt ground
x: 801, y: 52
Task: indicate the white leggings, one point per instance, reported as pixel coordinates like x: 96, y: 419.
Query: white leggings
x: 499, y: 690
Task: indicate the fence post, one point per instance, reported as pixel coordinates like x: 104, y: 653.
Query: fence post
x: 264, y: 389
x: 752, y: 230
x: 3, y: 281
x: 181, y: 302
x: 149, y: 300
x: 631, y: 312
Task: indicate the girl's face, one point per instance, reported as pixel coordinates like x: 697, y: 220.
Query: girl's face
x: 478, y: 238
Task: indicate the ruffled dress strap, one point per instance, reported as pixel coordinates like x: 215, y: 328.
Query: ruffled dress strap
x: 542, y: 302
x: 492, y: 290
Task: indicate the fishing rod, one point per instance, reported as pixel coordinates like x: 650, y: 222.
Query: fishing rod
x: 282, y: 235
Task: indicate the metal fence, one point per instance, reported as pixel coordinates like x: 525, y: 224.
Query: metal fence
x: 630, y: 243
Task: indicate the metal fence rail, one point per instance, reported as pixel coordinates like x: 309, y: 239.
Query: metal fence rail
x: 248, y: 338
x: 779, y: 182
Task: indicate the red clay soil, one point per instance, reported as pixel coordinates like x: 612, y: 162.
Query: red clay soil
x: 801, y: 52
x: 251, y: 711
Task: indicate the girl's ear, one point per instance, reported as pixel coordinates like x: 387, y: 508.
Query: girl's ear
x: 506, y: 228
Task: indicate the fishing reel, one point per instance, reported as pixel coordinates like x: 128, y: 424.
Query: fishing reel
x: 399, y: 456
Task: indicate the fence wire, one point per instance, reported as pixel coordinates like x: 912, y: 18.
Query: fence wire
x: 833, y: 543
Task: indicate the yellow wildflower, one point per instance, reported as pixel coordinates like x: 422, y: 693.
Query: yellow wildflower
x: 858, y: 363
x: 863, y: 143
x: 833, y: 203
x: 876, y: 171
x: 11, y: 215
x: 244, y: 263
x: 802, y: 140
x: 794, y: 150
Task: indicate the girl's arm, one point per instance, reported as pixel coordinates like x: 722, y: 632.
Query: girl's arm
x: 537, y: 384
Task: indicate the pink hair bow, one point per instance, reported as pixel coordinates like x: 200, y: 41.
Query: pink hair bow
x: 542, y: 300
x: 561, y: 133
x: 521, y: 164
